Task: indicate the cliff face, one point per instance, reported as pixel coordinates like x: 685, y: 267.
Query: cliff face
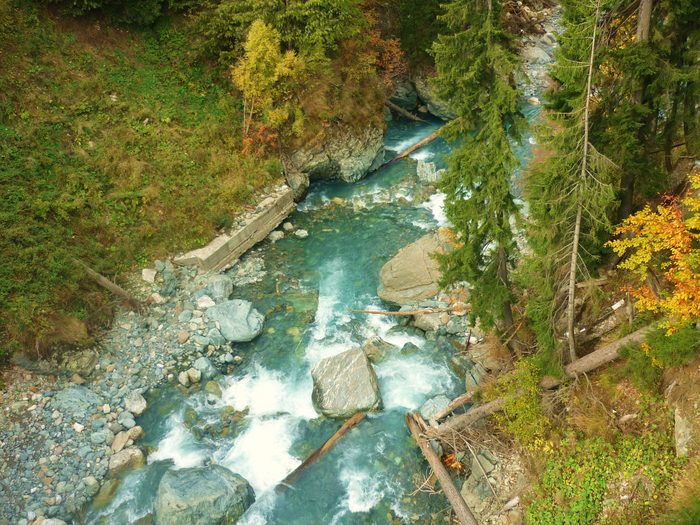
x: 336, y: 154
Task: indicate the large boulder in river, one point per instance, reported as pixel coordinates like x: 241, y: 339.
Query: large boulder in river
x: 405, y: 96
x: 337, y: 153
x: 345, y: 384
x: 412, y: 275
x: 211, y: 495
x: 238, y: 320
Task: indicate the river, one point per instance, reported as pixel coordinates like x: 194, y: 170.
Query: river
x: 372, y: 474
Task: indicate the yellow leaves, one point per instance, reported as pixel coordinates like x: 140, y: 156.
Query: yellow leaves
x: 263, y: 75
x: 648, y: 234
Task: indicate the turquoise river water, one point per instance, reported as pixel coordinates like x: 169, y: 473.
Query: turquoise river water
x: 371, y: 475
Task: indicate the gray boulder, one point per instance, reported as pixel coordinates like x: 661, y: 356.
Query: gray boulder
x: 127, y: 459
x: 136, y: 404
x: 77, y: 400
x: 412, y: 275
x: 238, y: 320
x: 345, y: 384
x: 434, y: 406
x: 220, y: 287
x: 205, y: 368
x: 440, y: 108
x: 211, y: 495
x: 405, y: 96
x: 377, y: 350
x: 337, y: 154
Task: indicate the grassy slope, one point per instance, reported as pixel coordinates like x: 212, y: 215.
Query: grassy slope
x: 115, y: 146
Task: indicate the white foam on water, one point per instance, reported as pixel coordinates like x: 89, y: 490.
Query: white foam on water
x: 422, y: 154
x: 179, y: 446
x: 422, y: 225
x: 402, y: 145
x: 436, y: 205
x: 268, y: 392
x: 409, y: 381
x: 261, y: 454
x: 363, y: 489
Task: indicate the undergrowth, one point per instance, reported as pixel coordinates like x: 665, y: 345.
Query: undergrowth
x: 115, y: 146
x: 595, y: 467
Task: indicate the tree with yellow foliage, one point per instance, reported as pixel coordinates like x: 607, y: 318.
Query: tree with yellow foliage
x: 264, y: 76
x: 672, y: 231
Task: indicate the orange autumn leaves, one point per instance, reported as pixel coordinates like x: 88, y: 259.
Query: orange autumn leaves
x: 669, y: 234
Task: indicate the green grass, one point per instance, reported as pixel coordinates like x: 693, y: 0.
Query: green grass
x: 115, y: 147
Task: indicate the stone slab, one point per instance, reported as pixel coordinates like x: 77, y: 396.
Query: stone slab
x: 228, y: 247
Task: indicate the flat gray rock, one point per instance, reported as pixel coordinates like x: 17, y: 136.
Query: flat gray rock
x: 238, y: 320
x: 78, y: 400
x: 211, y: 495
x: 345, y: 384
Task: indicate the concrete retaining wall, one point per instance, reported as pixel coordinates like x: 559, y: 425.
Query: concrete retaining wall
x: 226, y: 248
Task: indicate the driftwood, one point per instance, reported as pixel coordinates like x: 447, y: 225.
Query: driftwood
x: 454, y: 405
x: 413, y: 148
x: 109, y: 285
x: 287, y: 482
x: 403, y: 112
x: 416, y: 425
x: 413, y: 312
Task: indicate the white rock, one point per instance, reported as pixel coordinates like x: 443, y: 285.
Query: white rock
x: 158, y: 298
x: 205, y: 302
x: 149, y: 275
x: 136, y: 404
x: 106, y: 409
x: 78, y: 427
x: 275, y: 236
x: 288, y: 226
x: 301, y: 233
x: 183, y: 378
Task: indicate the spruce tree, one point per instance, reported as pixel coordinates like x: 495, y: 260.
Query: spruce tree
x: 570, y: 194
x: 476, y: 65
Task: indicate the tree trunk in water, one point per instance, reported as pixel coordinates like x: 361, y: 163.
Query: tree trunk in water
x: 464, y: 515
x: 413, y: 148
x: 287, y: 482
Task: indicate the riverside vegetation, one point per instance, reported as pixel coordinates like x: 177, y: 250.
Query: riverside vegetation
x: 131, y: 130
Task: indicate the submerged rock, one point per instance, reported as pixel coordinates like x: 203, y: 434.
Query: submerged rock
x: 345, y: 384
x: 220, y: 287
x: 412, y: 274
x: 211, y: 495
x: 377, y: 350
x: 239, y: 321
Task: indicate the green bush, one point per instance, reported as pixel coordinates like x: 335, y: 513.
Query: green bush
x: 645, y: 362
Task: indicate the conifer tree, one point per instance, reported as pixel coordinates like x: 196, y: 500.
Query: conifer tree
x: 570, y: 194
x: 476, y: 65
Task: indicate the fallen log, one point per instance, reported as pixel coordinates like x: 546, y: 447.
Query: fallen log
x: 454, y: 405
x: 403, y: 112
x: 464, y: 515
x: 595, y: 359
x: 463, y: 421
x: 412, y: 312
x: 287, y: 482
x: 109, y: 285
x: 426, y: 140
x: 586, y: 364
